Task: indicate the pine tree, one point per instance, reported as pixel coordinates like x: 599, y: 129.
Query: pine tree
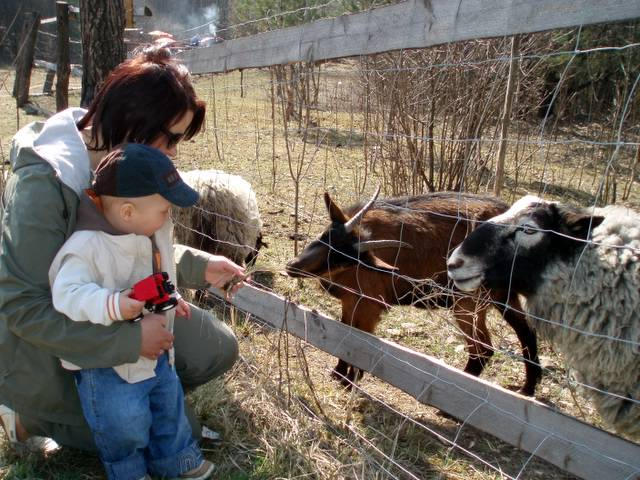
x: 102, y: 26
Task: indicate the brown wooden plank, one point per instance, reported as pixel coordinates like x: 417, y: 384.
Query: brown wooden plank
x: 412, y: 24
x: 564, y: 441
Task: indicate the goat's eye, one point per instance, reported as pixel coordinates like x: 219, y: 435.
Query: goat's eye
x: 528, y: 229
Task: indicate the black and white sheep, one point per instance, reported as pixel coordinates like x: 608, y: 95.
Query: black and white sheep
x: 580, y: 274
x: 225, y: 221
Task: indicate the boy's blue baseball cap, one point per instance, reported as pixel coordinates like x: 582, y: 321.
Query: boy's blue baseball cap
x: 136, y: 170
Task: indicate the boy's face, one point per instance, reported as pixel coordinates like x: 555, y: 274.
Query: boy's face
x: 149, y: 214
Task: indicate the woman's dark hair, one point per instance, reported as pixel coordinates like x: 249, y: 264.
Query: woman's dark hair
x: 140, y: 99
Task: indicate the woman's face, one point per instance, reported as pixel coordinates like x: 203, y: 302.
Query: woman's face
x: 167, y: 142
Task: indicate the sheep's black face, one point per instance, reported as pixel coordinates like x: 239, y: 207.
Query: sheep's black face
x: 499, y: 256
x: 513, y: 249
x: 333, y: 251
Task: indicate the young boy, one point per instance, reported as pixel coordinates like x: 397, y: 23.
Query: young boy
x: 123, y: 235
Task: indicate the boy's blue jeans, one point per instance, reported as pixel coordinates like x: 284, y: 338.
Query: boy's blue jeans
x: 138, y: 428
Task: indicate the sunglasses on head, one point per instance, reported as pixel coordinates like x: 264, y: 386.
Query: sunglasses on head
x: 172, y: 138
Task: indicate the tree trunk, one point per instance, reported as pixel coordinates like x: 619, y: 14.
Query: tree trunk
x: 102, y: 26
x: 63, y: 67
x: 223, y: 19
x: 24, y: 60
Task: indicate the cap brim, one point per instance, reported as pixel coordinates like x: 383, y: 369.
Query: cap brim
x: 181, y: 195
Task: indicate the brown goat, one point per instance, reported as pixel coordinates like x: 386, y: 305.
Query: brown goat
x: 412, y: 237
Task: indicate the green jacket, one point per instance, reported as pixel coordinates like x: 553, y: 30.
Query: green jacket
x: 38, y: 214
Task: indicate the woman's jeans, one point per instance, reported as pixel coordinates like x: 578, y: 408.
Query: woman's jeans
x: 138, y: 428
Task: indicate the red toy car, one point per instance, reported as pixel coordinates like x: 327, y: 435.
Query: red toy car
x: 156, y: 291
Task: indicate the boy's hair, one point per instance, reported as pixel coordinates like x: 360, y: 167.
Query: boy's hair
x: 140, y: 99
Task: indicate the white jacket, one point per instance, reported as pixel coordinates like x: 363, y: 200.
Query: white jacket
x: 93, y: 266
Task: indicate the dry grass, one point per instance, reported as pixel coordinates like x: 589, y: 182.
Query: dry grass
x: 278, y: 412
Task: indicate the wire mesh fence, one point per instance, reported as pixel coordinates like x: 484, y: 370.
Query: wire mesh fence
x: 422, y: 121
x: 414, y: 122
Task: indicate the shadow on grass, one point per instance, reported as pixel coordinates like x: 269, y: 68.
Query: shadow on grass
x: 64, y: 464
x: 565, y: 193
x: 332, y: 137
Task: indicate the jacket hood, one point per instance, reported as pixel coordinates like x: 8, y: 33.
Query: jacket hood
x: 58, y: 142
x: 91, y: 218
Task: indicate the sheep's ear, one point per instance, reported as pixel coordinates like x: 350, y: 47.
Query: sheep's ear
x: 335, y: 213
x: 581, y: 224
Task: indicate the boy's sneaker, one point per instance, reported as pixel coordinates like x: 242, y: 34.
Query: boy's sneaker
x: 201, y: 473
x: 209, y: 434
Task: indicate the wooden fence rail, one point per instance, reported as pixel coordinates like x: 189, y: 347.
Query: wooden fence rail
x: 412, y: 24
x: 564, y: 441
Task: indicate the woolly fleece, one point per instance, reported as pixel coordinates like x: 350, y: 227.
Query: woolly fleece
x: 225, y: 221
x: 597, y: 293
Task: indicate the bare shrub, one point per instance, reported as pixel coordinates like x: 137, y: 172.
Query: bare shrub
x: 430, y: 110
x: 432, y: 116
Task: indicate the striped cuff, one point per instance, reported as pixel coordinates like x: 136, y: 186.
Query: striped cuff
x: 113, y: 307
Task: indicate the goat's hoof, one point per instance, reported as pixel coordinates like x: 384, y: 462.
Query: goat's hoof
x: 528, y: 391
x: 343, y: 379
x: 522, y: 390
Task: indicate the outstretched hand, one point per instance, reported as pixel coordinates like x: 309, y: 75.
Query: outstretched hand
x: 222, y: 272
x: 183, y: 309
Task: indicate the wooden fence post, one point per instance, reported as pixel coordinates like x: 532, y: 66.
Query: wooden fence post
x: 48, y: 82
x: 24, y: 59
x: 128, y: 12
x: 63, y: 68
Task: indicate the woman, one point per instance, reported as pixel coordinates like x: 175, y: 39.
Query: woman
x: 148, y: 99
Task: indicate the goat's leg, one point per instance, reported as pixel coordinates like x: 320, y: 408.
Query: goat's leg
x: 355, y: 374
x: 526, y: 336
x: 363, y: 315
x: 471, y: 320
x: 341, y: 372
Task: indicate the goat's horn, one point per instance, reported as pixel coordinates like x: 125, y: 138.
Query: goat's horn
x: 353, y: 220
x: 372, y: 244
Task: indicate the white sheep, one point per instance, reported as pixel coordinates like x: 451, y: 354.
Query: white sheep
x: 225, y: 221
x: 580, y: 275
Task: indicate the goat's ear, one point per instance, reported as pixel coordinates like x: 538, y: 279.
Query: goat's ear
x: 381, y: 264
x: 335, y: 213
x: 580, y: 224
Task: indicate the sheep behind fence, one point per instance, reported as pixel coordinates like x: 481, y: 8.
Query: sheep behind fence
x: 225, y: 221
x: 580, y: 274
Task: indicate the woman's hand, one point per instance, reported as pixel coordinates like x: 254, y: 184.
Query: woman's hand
x: 155, y: 336
x: 222, y: 272
x: 183, y: 309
